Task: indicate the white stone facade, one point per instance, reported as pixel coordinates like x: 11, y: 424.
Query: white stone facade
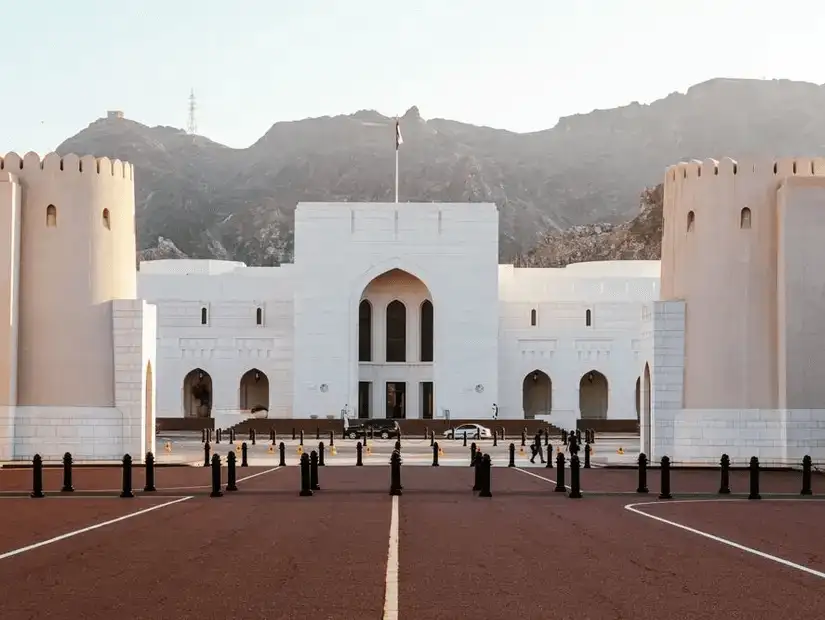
x: 494, y: 327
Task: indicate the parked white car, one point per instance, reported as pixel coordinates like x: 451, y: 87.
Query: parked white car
x: 471, y: 429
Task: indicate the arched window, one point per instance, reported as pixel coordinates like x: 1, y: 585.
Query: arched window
x: 51, y: 216
x: 691, y: 221
x: 259, y: 316
x: 427, y: 331
x: 396, y: 332
x: 204, y: 316
x: 533, y: 317
x: 588, y: 318
x: 106, y: 223
x: 364, y: 331
x: 745, y: 218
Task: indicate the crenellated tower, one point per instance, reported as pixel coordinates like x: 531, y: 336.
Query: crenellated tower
x: 720, y: 254
x: 76, y: 254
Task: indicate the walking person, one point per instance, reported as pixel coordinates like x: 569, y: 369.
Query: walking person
x: 537, y: 449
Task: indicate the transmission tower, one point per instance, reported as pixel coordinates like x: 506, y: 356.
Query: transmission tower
x: 192, y: 127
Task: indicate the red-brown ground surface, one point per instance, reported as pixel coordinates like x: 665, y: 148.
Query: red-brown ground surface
x: 527, y: 552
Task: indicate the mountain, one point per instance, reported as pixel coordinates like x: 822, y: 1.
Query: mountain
x: 201, y: 199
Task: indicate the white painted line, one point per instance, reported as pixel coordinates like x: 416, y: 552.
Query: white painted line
x: 84, y: 530
x: 391, y: 590
x: 767, y: 556
x: 529, y: 473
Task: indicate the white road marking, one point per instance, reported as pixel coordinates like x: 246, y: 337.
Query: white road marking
x: 529, y: 473
x: 767, y: 556
x: 84, y: 530
x: 391, y: 591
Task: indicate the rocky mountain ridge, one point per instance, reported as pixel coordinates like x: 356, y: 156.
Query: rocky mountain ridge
x: 201, y: 199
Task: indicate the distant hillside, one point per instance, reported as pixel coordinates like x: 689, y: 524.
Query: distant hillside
x: 207, y: 200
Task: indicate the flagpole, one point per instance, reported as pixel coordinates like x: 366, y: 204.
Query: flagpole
x: 396, y: 174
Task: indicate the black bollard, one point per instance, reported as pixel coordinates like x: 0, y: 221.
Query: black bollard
x: 398, y: 446
x: 218, y: 436
x: 426, y: 433
x: 575, y: 478
x: 302, y: 438
x: 395, y: 473
x: 216, y: 476
x: 331, y: 438
x: 465, y: 438
x: 231, y: 482
x: 149, y: 473
x: 564, y: 437
x: 477, y: 472
x: 203, y: 435
x: 754, y: 476
x: 253, y: 435
x: 560, y: 488
x: 231, y: 436
x: 321, y: 454
x: 724, y: 484
x: 473, y: 455
x: 486, y: 475
x: 282, y: 451
x: 67, y: 474
x: 126, y: 491
x: 249, y: 435
x: 432, y: 438
x: 495, y: 439
x: 549, y: 464
x: 512, y: 462
x: 806, y: 476
x: 435, y: 454
x: 359, y: 460
x: 317, y: 433
x: 664, y: 491
x: 244, y: 448
x: 546, y: 437
x: 306, y: 482
x: 293, y: 433
x: 642, y: 488
x: 272, y: 435
x: 37, y: 476
x: 313, y: 471
x: 587, y: 456
x: 478, y: 434
x: 592, y: 435
x: 523, y: 438
x: 206, y: 450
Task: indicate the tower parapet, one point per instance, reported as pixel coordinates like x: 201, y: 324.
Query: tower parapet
x: 719, y: 253
x: 77, y: 254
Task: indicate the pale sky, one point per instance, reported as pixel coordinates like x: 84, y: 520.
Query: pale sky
x: 513, y: 64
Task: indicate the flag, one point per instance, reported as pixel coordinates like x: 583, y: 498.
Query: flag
x: 398, y: 139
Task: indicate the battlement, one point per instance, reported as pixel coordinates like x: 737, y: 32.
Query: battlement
x: 728, y: 168
x: 71, y: 163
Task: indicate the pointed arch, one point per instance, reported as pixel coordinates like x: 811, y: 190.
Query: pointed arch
x: 253, y: 393
x: 396, y: 330
x: 536, y: 394
x: 426, y: 331
x: 365, y: 331
x: 593, y: 395
x: 197, y: 394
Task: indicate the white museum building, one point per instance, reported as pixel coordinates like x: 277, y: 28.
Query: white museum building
x: 401, y: 310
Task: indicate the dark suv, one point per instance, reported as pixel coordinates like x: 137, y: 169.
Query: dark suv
x: 383, y: 428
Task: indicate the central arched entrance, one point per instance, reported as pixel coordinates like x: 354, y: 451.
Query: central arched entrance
x: 593, y: 396
x: 197, y: 394
x: 253, y: 393
x: 536, y: 394
x: 396, y: 347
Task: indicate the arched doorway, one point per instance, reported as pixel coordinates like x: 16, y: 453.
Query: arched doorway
x: 638, y: 400
x: 593, y: 396
x: 149, y: 424
x: 536, y: 394
x: 646, y: 430
x: 197, y: 394
x: 395, y: 335
x: 254, y: 392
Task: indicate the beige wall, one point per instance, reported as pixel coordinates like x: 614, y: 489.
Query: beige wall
x: 801, y: 288
x: 727, y: 275
x: 68, y: 272
x: 10, y: 197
